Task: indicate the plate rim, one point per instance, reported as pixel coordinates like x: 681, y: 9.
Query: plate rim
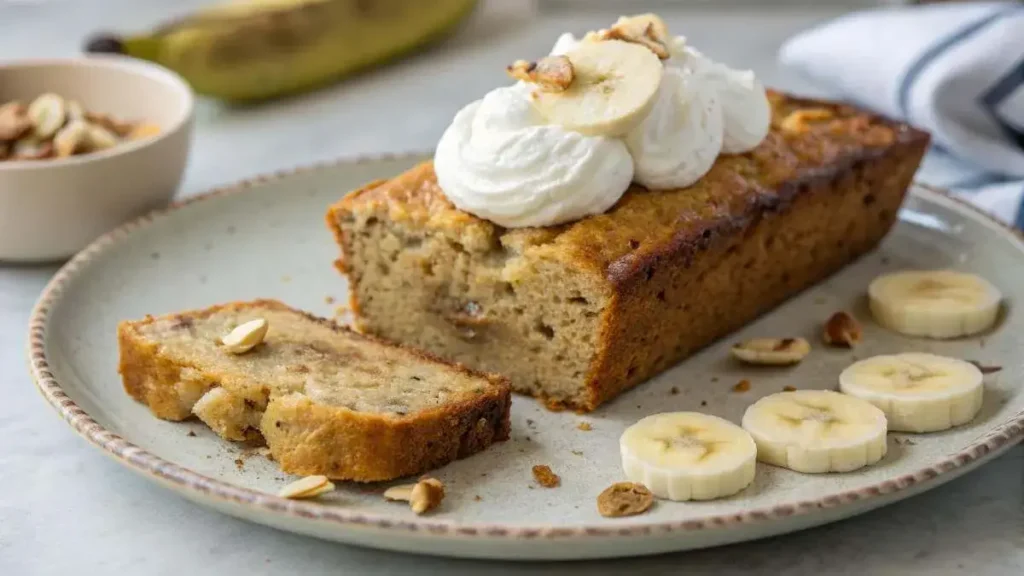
x: 184, y: 479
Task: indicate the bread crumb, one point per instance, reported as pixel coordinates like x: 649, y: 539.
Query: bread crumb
x: 674, y: 390
x: 703, y: 402
x: 788, y: 388
x: 530, y: 423
x: 714, y: 378
x: 239, y: 463
x: 584, y: 426
x: 741, y: 386
x: 577, y: 453
x: 553, y: 405
x: 624, y: 499
x: 192, y: 434
x: 545, y: 477
x: 329, y: 299
x: 477, y: 498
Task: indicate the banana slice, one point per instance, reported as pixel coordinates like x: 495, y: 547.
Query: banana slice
x: 937, y: 304
x: 613, y: 89
x: 816, y: 431
x: 688, y: 456
x: 917, y: 392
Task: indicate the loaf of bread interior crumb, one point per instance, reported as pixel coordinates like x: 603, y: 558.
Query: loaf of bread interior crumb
x: 325, y: 399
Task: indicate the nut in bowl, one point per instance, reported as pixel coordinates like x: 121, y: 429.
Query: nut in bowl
x: 85, y: 145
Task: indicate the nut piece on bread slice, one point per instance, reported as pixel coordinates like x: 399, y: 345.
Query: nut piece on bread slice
x: 326, y: 400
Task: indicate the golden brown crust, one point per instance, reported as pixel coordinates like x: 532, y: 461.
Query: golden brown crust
x: 685, y: 267
x: 309, y: 438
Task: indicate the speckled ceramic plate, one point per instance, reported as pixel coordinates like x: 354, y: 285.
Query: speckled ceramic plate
x: 266, y: 238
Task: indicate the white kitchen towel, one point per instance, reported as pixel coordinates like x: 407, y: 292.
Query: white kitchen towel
x: 955, y: 70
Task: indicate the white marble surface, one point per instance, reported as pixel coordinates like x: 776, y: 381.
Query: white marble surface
x: 65, y: 508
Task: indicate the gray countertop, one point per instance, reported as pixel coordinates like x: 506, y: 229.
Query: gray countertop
x: 64, y: 507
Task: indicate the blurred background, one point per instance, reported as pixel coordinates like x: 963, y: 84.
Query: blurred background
x: 406, y: 104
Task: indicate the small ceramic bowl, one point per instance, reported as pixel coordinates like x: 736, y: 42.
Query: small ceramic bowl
x: 52, y: 208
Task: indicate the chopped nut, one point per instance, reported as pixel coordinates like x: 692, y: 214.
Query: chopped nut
x: 788, y: 388
x: 402, y: 492
x: 742, y: 386
x: 545, y: 477
x: 624, y: 499
x: 584, y: 426
x: 986, y: 369
x: 143, y: 130
x: 647, y: 30
x: 426, y: 495
x: 843, y: 330
x: 99, y: 138
x: 121, y: 129
x: 74, y: 110
x: 70, y: 138
x: 799, y: 121
x: 47, y: 115
x: 422, y: 496
x: 246, y: 336
x: 308, y: 487
x: 551, y: 73
x: 31, y: 149
x: 14, y: 121
x: 772, y: 351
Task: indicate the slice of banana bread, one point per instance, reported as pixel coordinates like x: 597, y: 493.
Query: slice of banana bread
x: 326, y: 400
x: 580, y: 312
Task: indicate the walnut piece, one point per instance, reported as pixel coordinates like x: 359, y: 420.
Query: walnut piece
x: 842, y: 330
x: 772, y: 351
x: 637, y: 33
x: 14, y: 121
x: 551, y: 73
x: 624, y: 499
x: 308, y: 487
x: 422, y: 497
x: 545, y: 477
x: 799, y: 121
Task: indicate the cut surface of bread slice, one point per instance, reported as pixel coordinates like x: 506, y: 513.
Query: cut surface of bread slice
x: 325, y: 399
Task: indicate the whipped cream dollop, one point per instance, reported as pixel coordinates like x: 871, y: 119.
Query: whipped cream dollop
x: 682, y: 136
x: 746, y: 112
x: 499, y: 161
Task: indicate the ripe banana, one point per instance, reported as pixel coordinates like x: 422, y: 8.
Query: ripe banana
x: 258, y: 49
x: 816, y: 431
x: 688, y: 456
x: 917, y: 392
x: 613, y: 89
x: 936, y: 304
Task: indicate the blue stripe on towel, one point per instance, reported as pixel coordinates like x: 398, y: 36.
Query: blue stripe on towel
x: 1004, y: 88
x: 929, y: 55
x: 1020, y: 213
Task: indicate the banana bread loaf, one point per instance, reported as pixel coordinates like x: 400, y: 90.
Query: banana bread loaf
x: 325, y: 399
x: 578, y: 313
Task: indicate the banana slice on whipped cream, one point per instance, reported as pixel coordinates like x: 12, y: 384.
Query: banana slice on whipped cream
x: 613, y: 88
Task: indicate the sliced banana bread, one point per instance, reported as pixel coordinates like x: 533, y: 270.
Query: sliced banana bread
x: 580, y: 312
x: 325, y: 399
